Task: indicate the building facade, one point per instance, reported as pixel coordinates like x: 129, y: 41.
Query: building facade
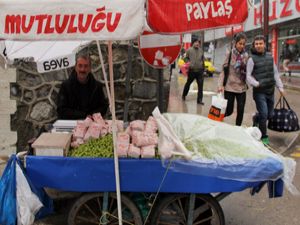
x: 284, y: 29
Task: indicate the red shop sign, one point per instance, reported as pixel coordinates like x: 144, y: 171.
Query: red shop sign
x: 229, y: 31
x: 182, y: 16
x: 159, y: 51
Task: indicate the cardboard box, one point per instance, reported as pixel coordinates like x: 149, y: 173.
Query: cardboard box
x: 52, y: 144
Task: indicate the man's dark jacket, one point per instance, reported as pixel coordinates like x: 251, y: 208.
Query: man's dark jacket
x: 76, y: 101
x: 263, y: 72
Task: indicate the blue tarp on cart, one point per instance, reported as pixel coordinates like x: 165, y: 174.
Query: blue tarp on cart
x: 136, y: 175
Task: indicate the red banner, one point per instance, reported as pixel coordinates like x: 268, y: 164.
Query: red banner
x: 180, y: 16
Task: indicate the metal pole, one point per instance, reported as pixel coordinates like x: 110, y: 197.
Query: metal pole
x: 266, y: 23
x: 202, y: 40
x: 160, y: 90
x: 114, y: 131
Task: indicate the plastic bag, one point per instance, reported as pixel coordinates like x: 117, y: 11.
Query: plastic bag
x: 28, y: 204
x: 8, y: 211
x: 224, y: 151
x: 218, y: 108
x: 168, y: 143
x: 20, y: 201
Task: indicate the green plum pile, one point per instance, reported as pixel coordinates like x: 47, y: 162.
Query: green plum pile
x: 100, y: 147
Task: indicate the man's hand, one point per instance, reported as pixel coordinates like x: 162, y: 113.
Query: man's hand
x: 282, y: 93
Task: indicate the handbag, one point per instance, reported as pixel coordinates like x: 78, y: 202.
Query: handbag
x: 185, y: 68
x: 218, y: 108
x: 283, y: 119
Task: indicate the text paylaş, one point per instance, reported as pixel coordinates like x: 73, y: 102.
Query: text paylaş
x: 200, y: 10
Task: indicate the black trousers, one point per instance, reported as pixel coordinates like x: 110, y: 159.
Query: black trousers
x: 240, y: 100
x: 191, y: 77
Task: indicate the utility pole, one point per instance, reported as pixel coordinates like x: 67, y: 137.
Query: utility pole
x: 202, y: 39
x: 266, y: 22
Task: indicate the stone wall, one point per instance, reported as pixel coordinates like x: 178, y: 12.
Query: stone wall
x: 8, y: 138
x: 36, y: 93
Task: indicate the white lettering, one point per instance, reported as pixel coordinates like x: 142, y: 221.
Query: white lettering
x: 213, y: 12
x: 228, y: 8
x: 198, y: 12
x: 205, y: 9
x: 221, y: 10
x: 189, y: 9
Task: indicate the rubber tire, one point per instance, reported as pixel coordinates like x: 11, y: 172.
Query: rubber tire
x: 89, y: 196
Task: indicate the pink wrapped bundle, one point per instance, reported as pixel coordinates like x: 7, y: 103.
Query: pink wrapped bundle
x: 137, y: 125
x: 76, y: 143
x: 151, y: 125
x: 128, y: 130
x: 119, y: 124
x: 79, y: 130
x: 87, y: 122
x: 104, y: 130
x: 148, y: 151
x: 134, y: 151
x: 142, y: 139
x: 122, y: 144
x: 108, y: 126
x: 98, y: 119
x: 93, y: 131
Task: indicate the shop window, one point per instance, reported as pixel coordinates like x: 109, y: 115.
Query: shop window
x: 290, y: 48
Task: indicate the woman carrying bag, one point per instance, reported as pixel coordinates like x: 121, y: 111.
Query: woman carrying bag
x: 232, y: 80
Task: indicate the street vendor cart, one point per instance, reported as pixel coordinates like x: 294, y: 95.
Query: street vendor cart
x: 183, y: 198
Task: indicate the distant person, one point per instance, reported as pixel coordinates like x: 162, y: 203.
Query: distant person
x: 287, y: 57
x: 81, y: 94
x: 172, y: 66
x: 263, y: 75
x: 235, y: 87
x: 195, y: 56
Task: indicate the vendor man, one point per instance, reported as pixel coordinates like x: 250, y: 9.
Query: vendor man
x: 81, y: 94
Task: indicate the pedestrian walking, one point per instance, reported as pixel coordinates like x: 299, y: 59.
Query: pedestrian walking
x: 195, y: 56
x: 234, y: 84
x: 287, y: 57
x: 263, y: 76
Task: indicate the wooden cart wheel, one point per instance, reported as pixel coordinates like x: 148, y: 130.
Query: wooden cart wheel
x: 87, y: 210
x: 173, y: 210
